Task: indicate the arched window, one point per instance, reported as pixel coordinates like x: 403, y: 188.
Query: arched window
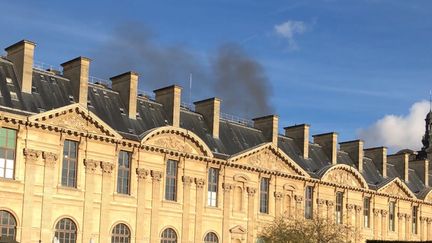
x: 7, y: 226
x: 211, y: 238
x: 169, y: 236
x: 120, y: 234
x: 66, y: 231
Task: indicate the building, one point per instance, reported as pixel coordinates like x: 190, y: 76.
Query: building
x: 89, y: 163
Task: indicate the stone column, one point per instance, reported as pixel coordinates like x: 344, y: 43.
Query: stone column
x: 226, y: 211
x: 50, y: 160
x: 251, y: 213
x: 401, y: 216
x: 423, y: 228
x: 107, y: 193
x: 407, y: 226
x: 320, y: 205
x: 142, y: 221
x: 299, y: 206
x: 200, y: 183
x: 384, y: 224
x: 359, y: 217
x: 31, y: 158
x: 377, y: 223
x: 349, y: 215
x: 187, y: 181
x: 429, y: 229
x: 90, y: 171
x: 278, y: 203
x: 330, y: 211
x: 156, y: 201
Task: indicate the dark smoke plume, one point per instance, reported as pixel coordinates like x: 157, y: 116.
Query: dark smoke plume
x: 232, y: 75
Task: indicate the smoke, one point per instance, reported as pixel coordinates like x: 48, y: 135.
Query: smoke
x: 225, y: 73
x: 398, y: 132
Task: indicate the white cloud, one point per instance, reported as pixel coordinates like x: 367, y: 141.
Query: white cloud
x: 289, y: 29
x: 398, y: 132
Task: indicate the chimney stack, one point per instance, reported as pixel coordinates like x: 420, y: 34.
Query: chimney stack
x: 126, y: 85
x: 379, y: 157
x: 401, y: 161
x: 300, y: 134
x: 170, y: 98
x: 210, y: 110
x: 21, y: 54
x: 355, y: 152
x: 422, y: 169
x: 328, y: 142
x: 269, y: 127
x: 77, y: 71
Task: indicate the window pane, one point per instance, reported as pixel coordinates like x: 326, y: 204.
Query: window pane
x: 69, y: 164
x: 171, y: 180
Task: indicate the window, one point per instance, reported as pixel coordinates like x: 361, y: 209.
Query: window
x: 7, y: 152
x: 123, y: 176
x: 171, y: 180
x: 339, y: 207
x: 414, y: 219
x: 309, y: 202
x: 260, y: 240
x: 213, y: 182
x: 211, y: 238
x: 69, y: 166
x: 169, y: 236
x: 121, y: 234
x: 7, y: 226
x: 264, y: 195
x: 392, y: 207
x: 366, y: 212
x: 66, y: 231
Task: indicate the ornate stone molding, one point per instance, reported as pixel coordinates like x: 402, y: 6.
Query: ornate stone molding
x: 142, y: 173
x: 187, y: 180
x: 321, y: 202
x: 200, y: 182
x: 330, y: 204
x: 384, y: 213
x: 401, y: 215
x: 376, y: 212
x: 32, y: 155
x: 50, y: 158
x: 278, y: 195
x: 350, y: 207
x: 107, y: 167
x: 358, y: 208
x: 227, y: 187
x: 298, y: 198
x: 251, y: 191
x: 91, y: 165
x: 156, y: 175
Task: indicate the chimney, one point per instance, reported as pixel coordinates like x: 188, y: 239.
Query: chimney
x: 300, y: 134
x: 21, y: 54
x: 170, y: 98
x: 77, y: 71
x: 328, y: 142
x: 379, y: 157
x: 269, y: 127
x: 355, y: 152
x: 401, y: 161
x: 422, y: 169
x: 126, y: 85
x: 210, y: 109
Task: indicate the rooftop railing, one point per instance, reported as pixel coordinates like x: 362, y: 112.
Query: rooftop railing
x: 236, y: 119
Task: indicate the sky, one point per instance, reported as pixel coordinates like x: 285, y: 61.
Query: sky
x: 360, y: 68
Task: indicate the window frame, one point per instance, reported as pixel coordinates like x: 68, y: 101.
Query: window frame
x: 71, y: 233
x: 165, y: 239
x: 213, y: 187
x: 122, y: 170
x: 212, y: 240
x: 308, y: 211
x: 171, y: 180
x: 366, y: 212
x: 414, y: 223
x: 264, y: 195
x: 392, y: 215
x: 339, y: 207
x: 65, y: 181
x: 11, y: 226
x: 118, y: 237
x: 6, y: 151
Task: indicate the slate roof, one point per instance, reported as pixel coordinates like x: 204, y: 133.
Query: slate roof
x: 51, y: 90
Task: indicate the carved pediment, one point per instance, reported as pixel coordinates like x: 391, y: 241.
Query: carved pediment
x: 428, y: 197
x: 345, y: 176
x: 396, y: 188
x: 238, y: 230
x: 75, y: 118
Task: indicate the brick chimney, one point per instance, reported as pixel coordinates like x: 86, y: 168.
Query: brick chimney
x: 328, y: 142
x: 77, y: 71
x: 422, y: 169
x: 170, y: 98
x: 210, y: 110
x: 21, y: 54
x: 300, y: 134
x: 401, y: 161
x: 379, y: 157
x: 355, y: 152
x: 126, y: 85
x: 269, y: 127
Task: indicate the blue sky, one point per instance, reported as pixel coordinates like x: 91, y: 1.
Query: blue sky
x: 337, y: 65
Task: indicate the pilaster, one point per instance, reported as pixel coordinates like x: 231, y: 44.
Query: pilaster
x: 143, y: 216
x: 299, y: 206
x: 251, y: 191
x: 187, y: 181
x: 50, y: 160
x: 227, y: 187
x: 384, y: 224
x: 154, y: 225
x: 91, y: 167
x: 107, y: 193
x: 377, y: 223
x: 200, y: 183
x: 278, y: 203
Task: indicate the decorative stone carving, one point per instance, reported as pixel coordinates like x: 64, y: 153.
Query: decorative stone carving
x: 187, y: 180
x: 173, y: 143
x: 227, y: 187
x: 408, y: 216
x: 358, y: 208
x: 251, y: 191
x: 278, y: 195
x: 238, y: 233
x: 395, y: 190
x: 401, y: 215
x: 376, y: 212
x: 384, y: 213
x: 330, y: 203
x: 107, y: 167
x: 32, y: 155
x: 298, y: 198
x: 156, y: 176
x: 142, y: 173
x: 343, y: 177
x: 76, y: 122
x: 266, y: 159
x: 200, y: 182
x: 50, y: 158
x: 91, y: 165
x: 321, y: 202
x: 350, y: 207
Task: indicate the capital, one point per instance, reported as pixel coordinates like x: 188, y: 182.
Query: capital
x: 142, y: 173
